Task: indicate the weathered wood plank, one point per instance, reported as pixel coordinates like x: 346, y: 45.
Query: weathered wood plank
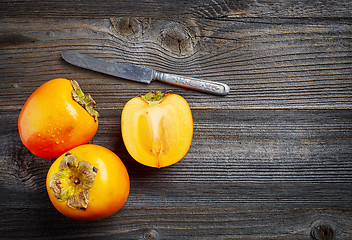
x: 181, y: 8
x: 270, y: 161
x: 278, y: 64
x: 181, y: 223
x: 268, y: 157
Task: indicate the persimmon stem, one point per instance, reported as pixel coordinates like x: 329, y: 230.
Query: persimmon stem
x: 77, y: 181
x: 85, y: 100
x: 73, y: 181
x: 154, y: 97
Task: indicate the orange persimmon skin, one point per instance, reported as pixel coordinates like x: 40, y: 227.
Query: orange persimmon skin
x: 110, y: 189
x: 158, y: 134
x: 51, y: 122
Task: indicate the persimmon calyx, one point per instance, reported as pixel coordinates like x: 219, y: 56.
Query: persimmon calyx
x: 154, y: 97
x: 85, y: 100
x: 73, y: 181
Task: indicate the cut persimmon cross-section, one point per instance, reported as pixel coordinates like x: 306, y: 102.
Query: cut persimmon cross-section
x: 157, y: 128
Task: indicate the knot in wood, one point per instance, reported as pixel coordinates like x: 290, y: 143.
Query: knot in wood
x: 126, y: 26
x: 177, y: 39
x: 322, y: 231
x: 151, y: 235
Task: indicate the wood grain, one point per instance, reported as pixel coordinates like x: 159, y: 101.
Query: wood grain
x: 254, y: 168
x: 290, y: 64
x: 181, y: 223
x: 272, y: 160
x: 181, y: 8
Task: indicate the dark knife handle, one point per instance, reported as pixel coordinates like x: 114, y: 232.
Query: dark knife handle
x: 193, y: 83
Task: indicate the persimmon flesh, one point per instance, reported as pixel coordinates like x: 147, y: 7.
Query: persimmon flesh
x: 157, y: 128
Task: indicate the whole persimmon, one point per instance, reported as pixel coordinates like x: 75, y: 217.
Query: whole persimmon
x: 89, y: 182
x: 157, y: 128
x: 57, y: 117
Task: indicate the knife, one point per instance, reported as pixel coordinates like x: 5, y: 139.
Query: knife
x: 142, y: 74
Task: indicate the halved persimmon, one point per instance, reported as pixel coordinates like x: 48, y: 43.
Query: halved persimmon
x: 157, y: 128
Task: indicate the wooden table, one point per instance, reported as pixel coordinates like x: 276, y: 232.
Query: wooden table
x: 272, y: 160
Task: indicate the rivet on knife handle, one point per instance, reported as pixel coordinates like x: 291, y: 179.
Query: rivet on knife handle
x: 193, y: 83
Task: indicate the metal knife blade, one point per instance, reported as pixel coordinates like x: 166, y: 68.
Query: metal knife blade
x: 142, y: 74
x: 116, y: 69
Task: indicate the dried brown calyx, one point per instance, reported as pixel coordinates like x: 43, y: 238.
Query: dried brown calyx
x: 73, y: 181
x: 85, y: 100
